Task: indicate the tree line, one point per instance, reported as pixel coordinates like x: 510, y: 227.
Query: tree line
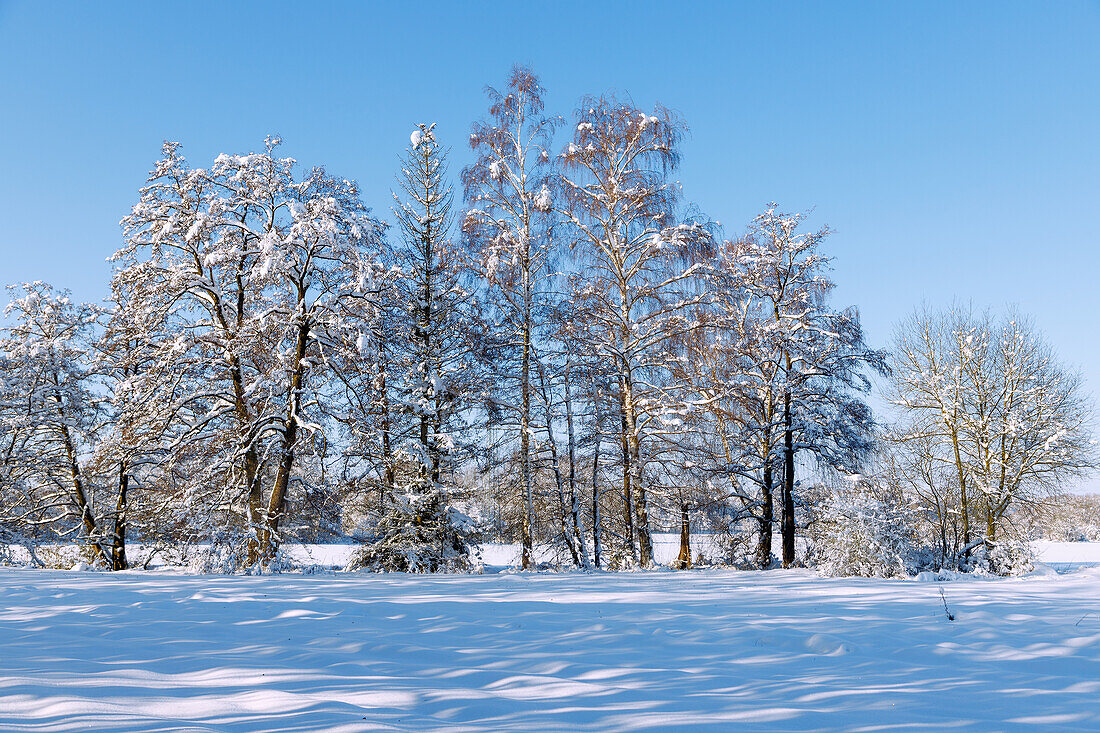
x: 560, y: 352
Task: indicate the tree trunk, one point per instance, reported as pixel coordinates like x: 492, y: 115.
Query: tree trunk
x: 80, y: 498
x: 574, y: 499
x: 596, y: 544
x: 788, y: 482
x: 628, y: 499
x: 555, y: 464
x: 641, y: 510
x: 387, y: 421
x: 277, y: 505
x: 251, y: 462
x: 767, y: 517
x: 964, y: 508
x: 118, y: 545
x: 683, y: 561
x: 525, y: 446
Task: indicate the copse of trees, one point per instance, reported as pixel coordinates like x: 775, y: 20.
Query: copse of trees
x: 570, y: 358
x: 987, y: 420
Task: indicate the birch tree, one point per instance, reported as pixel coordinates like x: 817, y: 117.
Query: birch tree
x: 618, y: 197
x: 508, y: 190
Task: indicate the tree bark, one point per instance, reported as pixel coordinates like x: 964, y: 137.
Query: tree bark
x: 788, y: 482
x: 525, y: 436
x: 596, y: 544
x: 683, y: 561
x: 641, y: 510
x: 767, y: 517
x: 574, y: 499
x: 80, y: 497
x: 118, y: 544
x: 277, y: 505
x: 628, y: 499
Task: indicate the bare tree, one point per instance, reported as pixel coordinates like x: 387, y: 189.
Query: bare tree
x: 508, y: 190
x: 986, y: 397
x: 618, y: 197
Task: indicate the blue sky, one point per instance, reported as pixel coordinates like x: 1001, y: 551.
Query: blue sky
x: 954, y: 148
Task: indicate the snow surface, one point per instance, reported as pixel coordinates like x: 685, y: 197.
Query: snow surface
x: 1067, y: 555
x: 700, y: 650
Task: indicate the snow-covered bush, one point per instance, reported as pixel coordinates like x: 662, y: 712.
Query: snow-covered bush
x: 1008, y: 556
x: 417, y: 533
x: 855, y: 532
x: 736, y: 543
x: 227, y: 553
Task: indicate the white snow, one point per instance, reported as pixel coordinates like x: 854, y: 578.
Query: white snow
x: 699, y: 650
x: 666, y: 548
x: 1065, y: 555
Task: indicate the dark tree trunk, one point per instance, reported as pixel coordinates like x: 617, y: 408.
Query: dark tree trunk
x: 597, y: 548
x: 118, y: 544
x: 276, y: 507
x: 767, y: 517
x: 788, y: 483
x: 574, y: 500
x: 628, y: 499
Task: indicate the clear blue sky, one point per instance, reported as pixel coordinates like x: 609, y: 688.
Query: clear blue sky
x: 953, y: 147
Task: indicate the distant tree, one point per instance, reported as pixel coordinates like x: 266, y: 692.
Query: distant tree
x: 986, y: 397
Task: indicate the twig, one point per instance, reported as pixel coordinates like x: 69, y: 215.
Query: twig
x: 950, y: 616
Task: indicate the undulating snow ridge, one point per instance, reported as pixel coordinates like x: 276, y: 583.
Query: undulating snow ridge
x: 699, y: 650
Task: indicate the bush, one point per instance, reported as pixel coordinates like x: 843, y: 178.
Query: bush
x: 417, y: 533
x: 1004, y: 557
x: 855, y: 532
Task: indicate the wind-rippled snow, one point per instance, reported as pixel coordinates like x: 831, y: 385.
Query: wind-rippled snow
x: 702, y: 650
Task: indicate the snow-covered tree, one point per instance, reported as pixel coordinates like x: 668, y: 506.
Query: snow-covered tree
x: 240, y: 280
x: 819, y: 352
x: 732, y: 367
x: 421, y: 529
x: 48, y: 419
x: 985, y: 404
x: 508, y: 189
x: 637, y: 259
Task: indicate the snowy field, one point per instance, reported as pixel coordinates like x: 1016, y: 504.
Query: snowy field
x: 700, y: 650
x: 666, y: 547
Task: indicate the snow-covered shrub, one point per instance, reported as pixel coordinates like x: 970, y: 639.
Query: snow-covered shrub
x: 60, y: 557
x: 9, y: 540
x: 217, y: 558
x: 1004, y: 557
x: 737, y: 546
x: 221, y: 559
x: 855, y: 532
x: 226, y: 552
x: 417, y: 533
